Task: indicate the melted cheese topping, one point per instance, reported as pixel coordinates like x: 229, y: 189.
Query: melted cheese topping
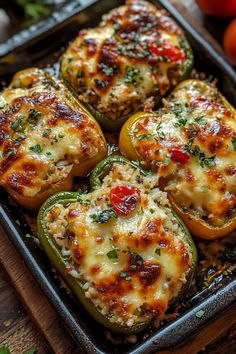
x: 44, y: 133
x: 192, y: 144
x: 131, y: 266
x: 123, y: 65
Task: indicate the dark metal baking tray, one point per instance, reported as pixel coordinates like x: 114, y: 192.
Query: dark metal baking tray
x: 43, y: 49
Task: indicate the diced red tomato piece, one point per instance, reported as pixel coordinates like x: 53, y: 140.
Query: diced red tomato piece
x: 170, y: 52
x: 124, y: 199
x: 178, y: 156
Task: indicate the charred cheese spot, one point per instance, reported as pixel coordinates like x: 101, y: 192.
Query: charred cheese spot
x: 135, y: 55
x: 44, y: 134
x: 116, y: 258
x: 201, y: 130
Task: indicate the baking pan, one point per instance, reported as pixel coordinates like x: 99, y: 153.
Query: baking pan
x: 91, y: 338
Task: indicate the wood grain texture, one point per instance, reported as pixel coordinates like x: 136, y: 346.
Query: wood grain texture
x: 11, y: 311
x: 33, y: 299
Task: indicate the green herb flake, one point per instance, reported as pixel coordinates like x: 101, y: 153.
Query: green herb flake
x: 161, y: 135
x: 207, y: 161
x: 184, y: 209
x: 181, y: 122
x: 36, y: 148
x: 138, y: 259
x: 158, y: 251
x: 177, y: 111
x: 133, y: 267
x: 110, y: 71
x: 123, y: 274
x: 10, y: 152
x: 80, y: 74
x: 167, y: 161
x: 33, y: 115
x: 104, y: 216
x: 49, y: 155
x: 234, y: 143
x: 47, y: 132
x: 131, y: 75
x: 101, y: 83
x: 112, y: 254
x: 200, y: 314
x: 152, y: 211
x: 200, y: 120
x: 14, y: 125
x: 144, y: 136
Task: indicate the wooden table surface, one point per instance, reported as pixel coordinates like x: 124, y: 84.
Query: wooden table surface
x: 18, y: 331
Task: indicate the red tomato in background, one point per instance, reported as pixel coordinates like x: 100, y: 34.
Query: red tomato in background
x: 229, y: 41
x: 218, y: 8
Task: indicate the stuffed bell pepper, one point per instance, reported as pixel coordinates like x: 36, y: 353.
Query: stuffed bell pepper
x: 127, y: 63
x: 191, y: 143
x: 46, y: 138
x: 121, y: 249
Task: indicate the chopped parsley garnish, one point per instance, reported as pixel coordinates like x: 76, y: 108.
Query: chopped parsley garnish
x: 110, y: 71
x: 207, y: 161
x: 200, y: 120
x: 133, y: 267
x: 167, y: 160
x: 123, y: 274
x: 49, y: 155
x: 234, y: 143
x: 104, y: 216
x: 47, y: 132
x: 18, y: 140
x: 36, y: 148
x: 5, y: 135
x: 158, y: 251
x: 152, y: 211
x: 33, y: 115
x: 131, y: 75
x: 181, y: 122
x: 200, y: 313
x: 160, y: 133
x: 14, y: 125
x: 10, y: 152
x: 80, y: 74
x: 112, y: 254
x: 177, y: 111
x: 138, y: 259
x: 144, y: 136
x: 203, y: 160
x: 101, y: 83
x: 192, y: 135
x: 184, y: 209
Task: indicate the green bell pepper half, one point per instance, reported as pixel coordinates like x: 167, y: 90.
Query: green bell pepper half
x: 59, y: 261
